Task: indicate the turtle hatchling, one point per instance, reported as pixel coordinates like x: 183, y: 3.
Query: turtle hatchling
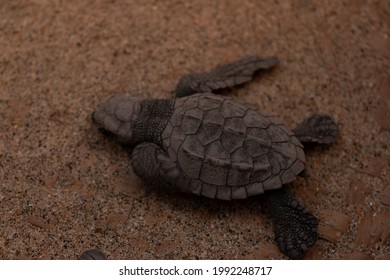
x: 211, y: 145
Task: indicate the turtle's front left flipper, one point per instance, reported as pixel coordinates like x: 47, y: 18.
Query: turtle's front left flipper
x: 295, y: 227
x: 317, y: 128
x: 153, y: 165
x: 224, y: 76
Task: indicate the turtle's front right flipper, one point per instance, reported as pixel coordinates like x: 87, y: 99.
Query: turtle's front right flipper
x: 224, y: 76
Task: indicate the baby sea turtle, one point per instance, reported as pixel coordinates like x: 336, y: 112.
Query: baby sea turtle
x: 214, y: 146
x: 93, y: 254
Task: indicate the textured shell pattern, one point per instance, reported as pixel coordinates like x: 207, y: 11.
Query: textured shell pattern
x: 224, y: 149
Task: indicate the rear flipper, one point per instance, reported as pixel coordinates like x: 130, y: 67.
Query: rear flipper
x: 295, y: 227
x: 224, y: 76
x: 319, y: 129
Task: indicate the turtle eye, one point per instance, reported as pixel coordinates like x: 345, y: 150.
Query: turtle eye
x: 106, y: 132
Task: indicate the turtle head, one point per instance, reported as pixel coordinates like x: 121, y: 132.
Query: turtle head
x: 116, y: 116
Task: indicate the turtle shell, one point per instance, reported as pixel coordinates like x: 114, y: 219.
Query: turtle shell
x: 224, y: 149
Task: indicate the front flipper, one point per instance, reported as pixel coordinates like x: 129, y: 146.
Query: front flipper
x: 153, y: 165
x: 295, y: 227
x: 224, y: 76
x: 319, y: 129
